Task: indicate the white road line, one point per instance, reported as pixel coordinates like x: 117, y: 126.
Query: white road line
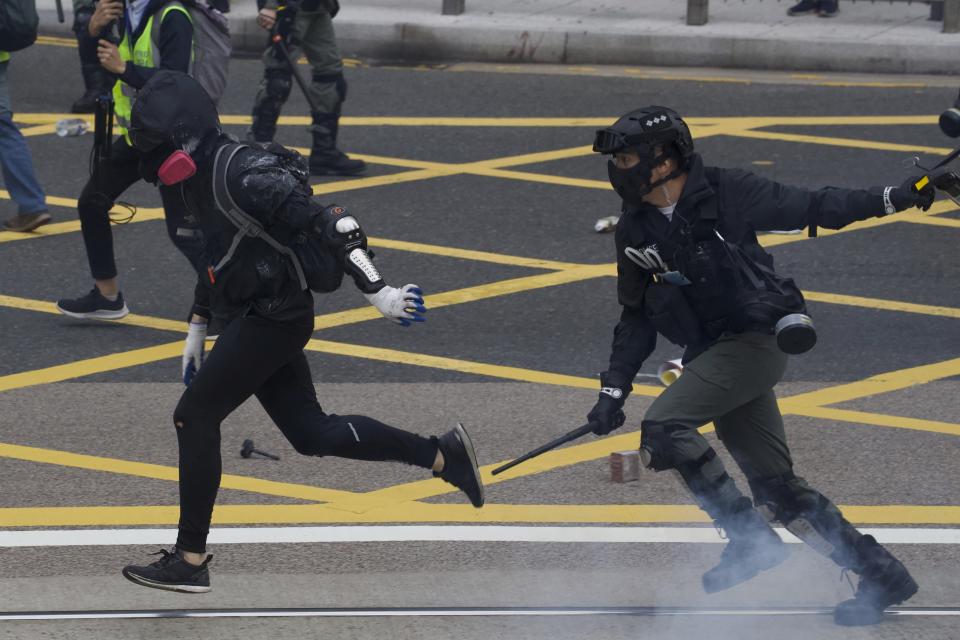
x: 426, y: 533
x: 450, y: 612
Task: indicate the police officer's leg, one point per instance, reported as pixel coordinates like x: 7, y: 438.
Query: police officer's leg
x: 732, y: 373
x: 274, y: 90
x: 96, y: 80
x: 246, y: 354
x: 755, y: 437
x: 105, y: 301
x: 328, y: 90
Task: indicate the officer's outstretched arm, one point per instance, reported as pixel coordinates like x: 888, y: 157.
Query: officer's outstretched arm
x: 344, y: 236
x: 634, y: 339
x: 771, y: 206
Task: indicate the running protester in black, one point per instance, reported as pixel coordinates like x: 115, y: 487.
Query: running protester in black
x: 267, y: 243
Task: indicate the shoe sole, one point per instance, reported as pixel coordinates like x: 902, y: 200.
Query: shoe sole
x: 471, y: 454
x: 42, y: 220
x: 770, y: 563
x: 96, y: 315
x: 179, y: 588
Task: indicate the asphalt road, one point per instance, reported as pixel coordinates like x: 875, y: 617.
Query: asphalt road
x: 884, y: 299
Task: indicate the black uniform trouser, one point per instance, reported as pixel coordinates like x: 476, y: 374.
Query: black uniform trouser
x: 118, y: 175
x: 263, y: 357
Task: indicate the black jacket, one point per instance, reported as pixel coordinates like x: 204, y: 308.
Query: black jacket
x: 743, y: 204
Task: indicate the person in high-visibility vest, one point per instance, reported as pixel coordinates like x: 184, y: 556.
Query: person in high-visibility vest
x: 19, y: 177
x: 142, y: 50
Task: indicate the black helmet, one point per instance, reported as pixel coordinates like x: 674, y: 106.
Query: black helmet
x: 647, y: 127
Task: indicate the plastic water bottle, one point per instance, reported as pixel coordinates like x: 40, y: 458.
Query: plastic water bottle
x: 605, y: 225
x: 72, y: 127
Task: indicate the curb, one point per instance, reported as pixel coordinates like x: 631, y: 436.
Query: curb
x: 415, y: 42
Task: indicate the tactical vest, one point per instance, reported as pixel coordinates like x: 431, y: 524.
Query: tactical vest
x: 717, y: 285
x: 143, y: 52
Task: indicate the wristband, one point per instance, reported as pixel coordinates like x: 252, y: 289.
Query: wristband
x: 888, y: 207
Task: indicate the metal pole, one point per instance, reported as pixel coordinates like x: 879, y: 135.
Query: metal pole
x: 951, y: 16
x: 697, y: 12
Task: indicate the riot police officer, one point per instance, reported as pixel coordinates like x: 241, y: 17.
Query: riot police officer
x: 690, y: 268
x: 264, y: 291
x: 307, y: 26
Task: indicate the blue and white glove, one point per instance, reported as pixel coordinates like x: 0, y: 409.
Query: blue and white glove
x: 404, y: 305
x: 193, y: 350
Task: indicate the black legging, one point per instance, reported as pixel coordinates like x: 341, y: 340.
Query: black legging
x: 257, y: 355
x: 95, y: 203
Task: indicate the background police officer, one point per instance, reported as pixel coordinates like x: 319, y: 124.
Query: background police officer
x: 690, y: 268
x: 310, y: 32
x: 96, y: 80
x: 141, y: 52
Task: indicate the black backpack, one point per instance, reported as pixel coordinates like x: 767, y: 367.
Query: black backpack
x: 18, y: 24
x: 314, y: 266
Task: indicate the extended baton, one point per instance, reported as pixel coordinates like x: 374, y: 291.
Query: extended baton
x: 553, y: 444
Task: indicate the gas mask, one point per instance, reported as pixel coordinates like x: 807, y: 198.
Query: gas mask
x: 633, y: 183
x: 160, y: 160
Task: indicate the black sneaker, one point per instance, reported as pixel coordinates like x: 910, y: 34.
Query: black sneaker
x: 460, y: 464
x: 171, y: 573
x: 804, y: 7
x: 828, y: 8
x: 94, y: 305
x: 753, y: 547
x: 884, y: 582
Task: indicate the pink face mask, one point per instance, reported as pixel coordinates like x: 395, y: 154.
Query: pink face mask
x: 177, y: 168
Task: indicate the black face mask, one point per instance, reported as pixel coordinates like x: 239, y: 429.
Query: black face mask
x: 634, y: 183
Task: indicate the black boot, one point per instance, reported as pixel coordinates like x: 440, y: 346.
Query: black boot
x: 884, y: 582
x: 753, y: 547
x: 97, y: 82
x: 325, y: 158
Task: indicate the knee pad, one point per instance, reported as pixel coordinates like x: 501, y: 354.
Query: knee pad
x: 278, y: 85
x: 656, y: 448
x: 337, y: 79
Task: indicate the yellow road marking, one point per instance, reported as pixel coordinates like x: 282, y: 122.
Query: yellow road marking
x: 747, y: 122
x: 38, y: 130
x: 838, y: 142
x: 470, y: 294
x: 161, y: 472
x: 57, y: 42
x: 880, y: 383
x: 936, y: 222
x: 883, y: 305
x: 420, y: 512
x: 878, y: 420
x: 133, y: 319
x: 470, y: 254
x: 378, y: 181
x: 462, y: 366
x: 91, y: 366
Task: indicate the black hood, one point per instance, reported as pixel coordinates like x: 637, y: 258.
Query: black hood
x: 173, y: 110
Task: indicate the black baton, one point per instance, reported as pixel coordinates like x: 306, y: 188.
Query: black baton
x: 553, y: 444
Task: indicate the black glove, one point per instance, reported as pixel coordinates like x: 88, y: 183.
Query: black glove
x: 607, y: 414
x: 907, y: 195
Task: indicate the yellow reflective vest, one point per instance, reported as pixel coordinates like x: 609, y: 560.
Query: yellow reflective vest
x: 143, y: 52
